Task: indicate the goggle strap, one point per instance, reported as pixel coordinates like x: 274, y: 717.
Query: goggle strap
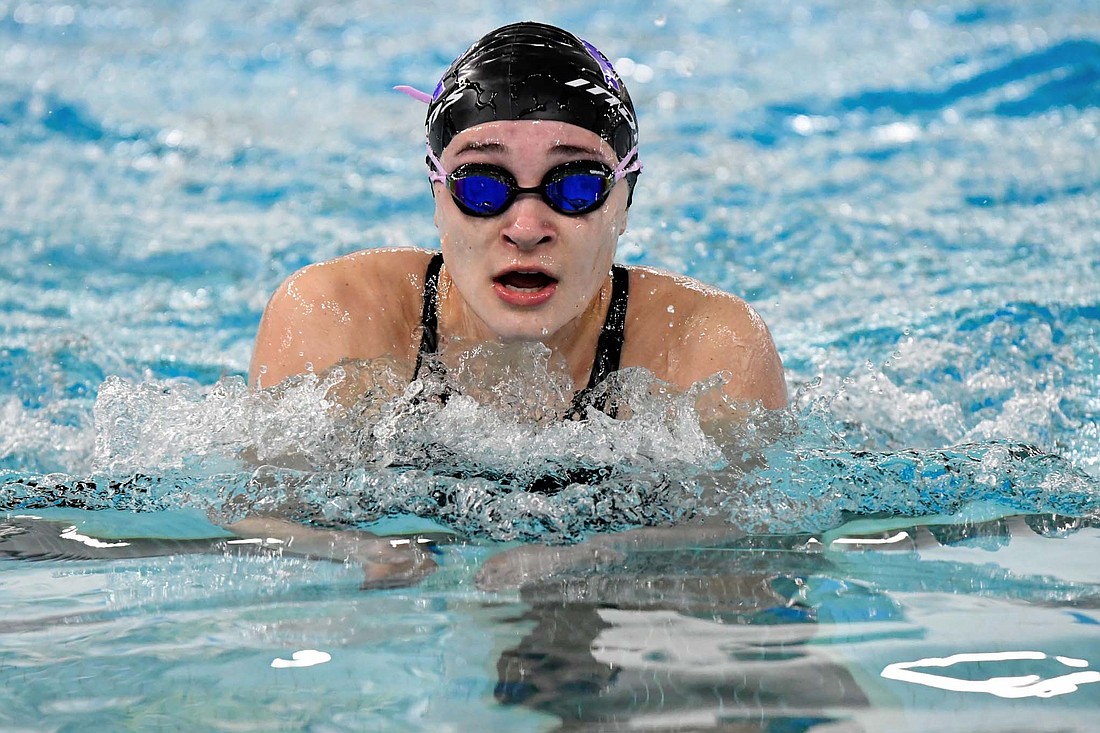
x: 416, y: 94
x: 436, y: 174
x: 625, y: 166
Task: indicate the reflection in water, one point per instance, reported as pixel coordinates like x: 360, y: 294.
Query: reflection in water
x: 764, y: 635
x: 591, y: 665
x: 1008, y: 685
x: 302, y: 658
x: 683, y: 641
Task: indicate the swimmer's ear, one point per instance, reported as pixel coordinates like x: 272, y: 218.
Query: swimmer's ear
x: 631, y: 181
x: 431, y: 183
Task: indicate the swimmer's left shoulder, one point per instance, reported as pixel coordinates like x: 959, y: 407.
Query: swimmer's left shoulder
x: 708, y: 331
x: 688, y: 301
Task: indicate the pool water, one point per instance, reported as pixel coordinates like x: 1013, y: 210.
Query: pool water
x: 907, y: 192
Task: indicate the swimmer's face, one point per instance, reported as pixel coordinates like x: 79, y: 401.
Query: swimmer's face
x: 528, y: 272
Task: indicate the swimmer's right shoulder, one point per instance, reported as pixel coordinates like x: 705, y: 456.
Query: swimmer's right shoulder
x: 365, y: 274
x: 359, y: 306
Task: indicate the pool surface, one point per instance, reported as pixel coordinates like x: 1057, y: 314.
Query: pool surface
x: 907, y: 192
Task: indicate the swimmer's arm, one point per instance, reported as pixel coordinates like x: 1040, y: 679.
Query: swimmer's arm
x: 529, y: 564
x: 386, y: 563
x: 704, y: 534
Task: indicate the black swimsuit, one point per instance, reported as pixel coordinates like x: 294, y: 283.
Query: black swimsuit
x: 608, y: 349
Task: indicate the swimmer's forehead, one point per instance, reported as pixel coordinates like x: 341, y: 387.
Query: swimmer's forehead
x: 555, y: 139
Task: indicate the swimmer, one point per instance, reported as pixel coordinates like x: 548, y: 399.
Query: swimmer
x: 533, y: 156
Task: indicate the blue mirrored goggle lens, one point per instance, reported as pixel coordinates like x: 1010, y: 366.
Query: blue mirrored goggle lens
x: 483, y: 195
x: 576, y: 193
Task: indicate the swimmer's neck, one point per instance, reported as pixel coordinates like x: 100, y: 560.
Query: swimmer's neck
x: 575, y: 342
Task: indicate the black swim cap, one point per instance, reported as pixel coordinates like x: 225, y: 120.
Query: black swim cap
x: 532, y: 71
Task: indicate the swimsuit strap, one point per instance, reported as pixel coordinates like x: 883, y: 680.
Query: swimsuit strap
x: 609, y: 347
x: 429, y: 322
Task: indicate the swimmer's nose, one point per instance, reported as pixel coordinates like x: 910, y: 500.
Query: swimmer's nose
x: 528, y: 223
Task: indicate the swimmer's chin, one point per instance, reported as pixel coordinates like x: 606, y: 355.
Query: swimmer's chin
x: 535, y: 332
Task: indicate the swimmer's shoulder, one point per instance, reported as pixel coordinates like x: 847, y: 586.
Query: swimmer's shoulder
x: 703, y: 330
x: 369, y: 274
x: 684, y: 301
x: 359, y: 306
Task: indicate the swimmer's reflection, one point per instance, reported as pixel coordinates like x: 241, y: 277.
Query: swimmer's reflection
x: 673, y: 646
x: 731, y: 638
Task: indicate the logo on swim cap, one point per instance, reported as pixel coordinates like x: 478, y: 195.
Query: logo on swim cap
x: 609, y: 74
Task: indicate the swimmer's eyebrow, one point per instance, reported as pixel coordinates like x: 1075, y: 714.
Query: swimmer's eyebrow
x: 481, y: 146
x: 573, y: 151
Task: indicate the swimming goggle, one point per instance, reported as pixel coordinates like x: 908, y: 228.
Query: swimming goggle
x: 574, y: 188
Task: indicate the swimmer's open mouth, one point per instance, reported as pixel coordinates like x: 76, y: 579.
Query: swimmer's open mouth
x: 524, y: 280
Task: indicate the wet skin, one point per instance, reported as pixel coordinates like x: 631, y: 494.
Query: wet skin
x: 527, y: 274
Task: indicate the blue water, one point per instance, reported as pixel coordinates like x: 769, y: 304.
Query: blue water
x: 908, y: 193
